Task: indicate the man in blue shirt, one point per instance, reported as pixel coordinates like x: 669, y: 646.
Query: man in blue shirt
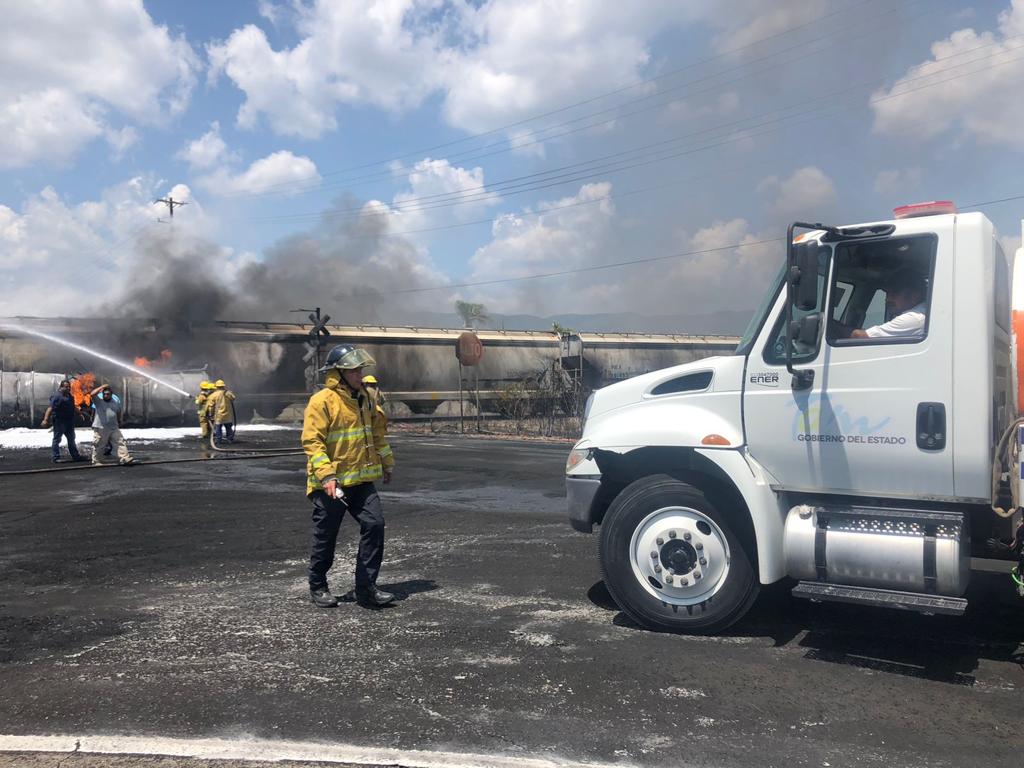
x: 63, y: 409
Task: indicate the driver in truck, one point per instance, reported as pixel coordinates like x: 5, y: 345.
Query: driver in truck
x: 904, y: 306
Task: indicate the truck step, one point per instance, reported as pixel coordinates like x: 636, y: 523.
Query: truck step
x: 883, y: 598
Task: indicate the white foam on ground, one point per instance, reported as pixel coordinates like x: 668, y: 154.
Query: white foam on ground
x: 278, y: 751
x: 27, y: 437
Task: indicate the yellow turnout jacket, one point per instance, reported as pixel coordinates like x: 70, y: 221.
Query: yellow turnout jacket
x: 220, y: 405
x: 344, y: 437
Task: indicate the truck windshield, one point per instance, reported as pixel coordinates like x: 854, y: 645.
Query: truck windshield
x: 762, y: 311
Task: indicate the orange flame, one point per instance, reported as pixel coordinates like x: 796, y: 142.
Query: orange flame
x: 81, y: 388
x: 145, y: 362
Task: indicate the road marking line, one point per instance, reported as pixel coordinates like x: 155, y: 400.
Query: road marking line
x: 277, y: 751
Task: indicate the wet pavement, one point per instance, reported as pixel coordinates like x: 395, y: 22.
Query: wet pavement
x: 170, y: 601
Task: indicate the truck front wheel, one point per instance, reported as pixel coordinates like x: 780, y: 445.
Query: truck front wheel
x: 671, y: 561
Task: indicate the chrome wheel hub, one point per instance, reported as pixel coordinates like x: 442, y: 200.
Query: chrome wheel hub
x: 679, y: 555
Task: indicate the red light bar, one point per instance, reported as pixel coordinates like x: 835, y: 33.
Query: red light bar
x: 933, y: 208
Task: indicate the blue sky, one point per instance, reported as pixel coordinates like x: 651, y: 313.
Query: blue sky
x: 331, y: 152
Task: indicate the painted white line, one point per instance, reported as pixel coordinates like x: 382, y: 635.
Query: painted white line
x: 278, y: 751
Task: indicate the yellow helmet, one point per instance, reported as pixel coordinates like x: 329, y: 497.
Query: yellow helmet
x: 219, y: 383
x: 371, y: 379
x: 206, y: 385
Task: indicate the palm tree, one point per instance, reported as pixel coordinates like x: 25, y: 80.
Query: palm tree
x: 472, y: 314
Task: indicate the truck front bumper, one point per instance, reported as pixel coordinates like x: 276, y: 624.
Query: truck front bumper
x: 580, y: 491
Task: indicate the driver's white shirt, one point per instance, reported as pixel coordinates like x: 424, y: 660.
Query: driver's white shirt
x: 909, y: 323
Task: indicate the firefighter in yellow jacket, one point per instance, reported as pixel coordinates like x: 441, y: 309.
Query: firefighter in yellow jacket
x: 205, y: 390
x: 347, y: 450
x: 220, y: 409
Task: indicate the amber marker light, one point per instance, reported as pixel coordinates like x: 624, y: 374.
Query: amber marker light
x: 714, y: 439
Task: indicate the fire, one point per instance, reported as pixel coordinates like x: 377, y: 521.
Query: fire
x: 81, y: 387
x: 145, y: 362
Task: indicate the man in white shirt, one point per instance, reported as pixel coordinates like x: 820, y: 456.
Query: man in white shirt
x: 106, y: 425
x: 904, y: 305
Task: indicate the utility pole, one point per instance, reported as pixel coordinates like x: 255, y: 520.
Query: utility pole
x: 171, y: 203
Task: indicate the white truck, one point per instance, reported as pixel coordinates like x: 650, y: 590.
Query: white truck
x: 867, y: 464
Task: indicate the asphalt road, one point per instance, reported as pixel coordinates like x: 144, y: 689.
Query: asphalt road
x: 170, y: 601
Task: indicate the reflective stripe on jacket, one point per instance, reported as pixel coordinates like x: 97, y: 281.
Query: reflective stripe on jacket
x: 343, y: 436
x: 201, y: 404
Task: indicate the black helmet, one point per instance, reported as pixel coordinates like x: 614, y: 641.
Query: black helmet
x: 346, y: 357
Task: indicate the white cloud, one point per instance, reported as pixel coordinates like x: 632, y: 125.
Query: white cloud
x: 680, y: 110
x: 729, y: 268
x: 807, y: 194
x: 50, y: 123
x: 121, y: 139
x: 493, y: 63
x: 50, y: 236
x: 207, y: 151
x: 985, y: 104
x: 281, y: 172
x: 898, y: 181
x: 271, y: 11
x: 557, y: 235
x: 744, y: 22
x: 65, y: 71
x: 43, y: 246
x: 210, y: 156
x: 723, y: 266
x: 534, y: 56
x: 349, y: 53
x: 439, y: 192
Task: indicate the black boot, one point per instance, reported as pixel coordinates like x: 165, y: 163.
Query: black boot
x: 322, y: 597
x: 372, y: 597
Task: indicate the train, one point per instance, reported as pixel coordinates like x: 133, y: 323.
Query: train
x: 270, y: 366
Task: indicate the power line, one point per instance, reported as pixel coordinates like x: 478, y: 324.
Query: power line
x: 618, y: 161
x: 632, y: 262
x: 508, y: 145
x: 290, y: 187
x: 478, y: 153
x: 548, y: 209
x: 593, y: 268
x: 611, y: 169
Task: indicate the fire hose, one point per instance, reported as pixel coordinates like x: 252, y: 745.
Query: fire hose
x: 240, y: 453
x: 73, y: 467
x: 215, y: 447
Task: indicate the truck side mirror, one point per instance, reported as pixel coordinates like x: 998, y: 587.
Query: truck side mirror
x: 803, y: 276
x: 805, y: 330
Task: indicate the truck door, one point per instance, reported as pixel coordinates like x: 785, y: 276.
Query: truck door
x: 874, y: 419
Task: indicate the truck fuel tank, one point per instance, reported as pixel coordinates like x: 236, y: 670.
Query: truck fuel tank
x: 910, y: 550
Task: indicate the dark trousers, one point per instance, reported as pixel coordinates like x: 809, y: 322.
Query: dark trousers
x: 363, y: 504
x: 221, y: 430
x: 64, y: 428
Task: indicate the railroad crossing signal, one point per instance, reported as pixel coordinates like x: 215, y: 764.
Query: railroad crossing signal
x: 318, y: 334
x: 319, y: 326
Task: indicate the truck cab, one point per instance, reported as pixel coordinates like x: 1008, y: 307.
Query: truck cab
x: 855, y: 442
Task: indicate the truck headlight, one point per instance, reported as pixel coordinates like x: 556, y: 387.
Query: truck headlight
x: 576, y: 457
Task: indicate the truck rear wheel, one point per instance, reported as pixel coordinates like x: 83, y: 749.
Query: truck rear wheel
x: 671, y: 561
